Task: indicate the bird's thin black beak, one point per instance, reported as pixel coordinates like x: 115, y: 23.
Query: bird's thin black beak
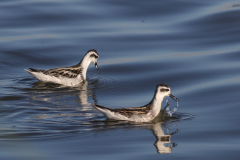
x: 96, y: 66
x: 173, y: 97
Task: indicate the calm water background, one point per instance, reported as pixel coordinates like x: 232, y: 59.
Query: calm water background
x: 192, y: 46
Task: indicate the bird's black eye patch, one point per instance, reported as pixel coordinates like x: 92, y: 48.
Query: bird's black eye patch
x: 93, y: 55
x: 164, y: 90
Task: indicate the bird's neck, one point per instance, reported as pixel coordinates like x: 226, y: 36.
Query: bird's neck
x: 156, y: 104
x: 84, y: 65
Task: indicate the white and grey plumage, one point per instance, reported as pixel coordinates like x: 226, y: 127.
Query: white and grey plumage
x: 69, y: 76
x: 140, y: 114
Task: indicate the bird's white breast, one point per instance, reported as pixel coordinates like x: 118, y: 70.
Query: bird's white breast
x: 59, y: 80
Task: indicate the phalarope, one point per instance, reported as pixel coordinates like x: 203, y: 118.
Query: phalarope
x: 140, y: 114
x: 67, y: 75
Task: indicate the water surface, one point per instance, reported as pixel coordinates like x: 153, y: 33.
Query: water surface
x: 191, y: 46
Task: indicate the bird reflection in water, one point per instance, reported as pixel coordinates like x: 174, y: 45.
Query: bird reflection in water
x: 64, y: 103
x: 56, y: 91
x: 84, y: 93
x: 163, y: 143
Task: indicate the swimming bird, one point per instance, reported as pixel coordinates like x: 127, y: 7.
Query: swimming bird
x: 140, y: 114
x: 69, y: 76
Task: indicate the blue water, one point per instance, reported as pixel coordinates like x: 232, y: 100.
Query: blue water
x: 192, y: 46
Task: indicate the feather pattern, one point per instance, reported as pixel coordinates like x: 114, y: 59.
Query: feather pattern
x: 67, y: 72
x: 128, y: 112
